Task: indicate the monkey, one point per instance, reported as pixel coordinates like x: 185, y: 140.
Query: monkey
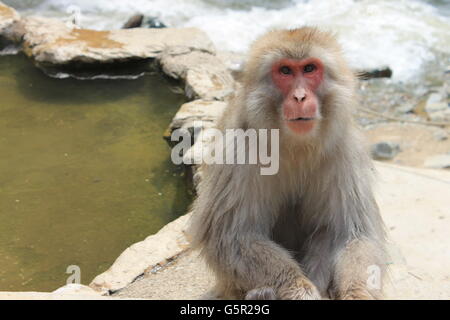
x: 312, y: 230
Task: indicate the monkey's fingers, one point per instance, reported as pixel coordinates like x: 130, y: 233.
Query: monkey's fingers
x: 301, y: 289
x: 264, y: 293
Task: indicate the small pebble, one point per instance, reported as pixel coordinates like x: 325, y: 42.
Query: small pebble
x: 385, y: 150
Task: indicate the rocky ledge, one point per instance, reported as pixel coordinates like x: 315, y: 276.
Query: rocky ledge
x: 61, y: 49
x: 9, y: 19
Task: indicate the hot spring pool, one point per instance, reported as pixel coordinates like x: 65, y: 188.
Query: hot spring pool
x: 84, y: 172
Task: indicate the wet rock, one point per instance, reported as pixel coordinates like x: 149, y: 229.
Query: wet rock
x: 134, y: 22
x: 139, y: 20
x: 52, y: 42
x: 439, y: 161
x: 153, y: 22
x: 204, y: 75
x: 385, y: 150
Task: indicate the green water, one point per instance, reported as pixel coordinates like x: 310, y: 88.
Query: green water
x: 84, y: 172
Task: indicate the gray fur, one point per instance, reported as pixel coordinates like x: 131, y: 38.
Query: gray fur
x: 311, y: 230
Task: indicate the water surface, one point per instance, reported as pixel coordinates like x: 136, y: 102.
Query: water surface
x: 84, y: 172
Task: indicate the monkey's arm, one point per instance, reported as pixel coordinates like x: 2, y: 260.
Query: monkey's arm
x: 359, y: 270
x: 252, y: 261
x: 233, y: 227
x: 360, y: 261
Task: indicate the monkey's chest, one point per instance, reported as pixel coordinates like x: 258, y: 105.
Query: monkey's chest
x: 295, y: 231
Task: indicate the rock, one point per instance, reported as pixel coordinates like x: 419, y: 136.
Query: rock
x: 440, y: 135
x: 52, y: 42
x: 440, y: 116
x: 8, y: 16
x: 233, y: 61
x: 203, y: 111
x: 74, y: 288
x: 404, y: 108
x: 141, y: 257
x: 201, y: 148
x: 440, y: 161
x: 383, y: 72
x: 204, y: 75
x: 50, y: 296
x: 153, y: 22
x: 195, y: 117
x: 138, y: 21
x: 209, y: 84
x: 9, y: 20
x: 435, y: 102
x: 134, y: 22
x: 385, y: 150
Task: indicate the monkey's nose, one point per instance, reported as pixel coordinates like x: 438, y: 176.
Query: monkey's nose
x: 299, y: 95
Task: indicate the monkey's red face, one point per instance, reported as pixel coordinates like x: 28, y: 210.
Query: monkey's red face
x: 298, y: 81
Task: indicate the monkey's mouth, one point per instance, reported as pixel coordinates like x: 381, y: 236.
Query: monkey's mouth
x: 300, y: 119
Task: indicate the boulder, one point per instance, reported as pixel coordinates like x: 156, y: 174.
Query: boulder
x: 197, y: 113
x: 53, y: 42
x: 153, y: 22
x: 138, y: 20
x: 9, y: 19
x: 205, y: 76
x: 134, y: 22
x: 385, y: 150
x: 8, y: 16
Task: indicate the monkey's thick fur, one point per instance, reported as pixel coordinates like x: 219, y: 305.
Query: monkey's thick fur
x: 313, y: 230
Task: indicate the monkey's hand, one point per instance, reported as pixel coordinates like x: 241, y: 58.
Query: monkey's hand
x: 300, y: 289
x: 264, y: 293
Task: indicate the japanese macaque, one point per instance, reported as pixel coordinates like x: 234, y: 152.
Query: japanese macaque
x: 313, y: 229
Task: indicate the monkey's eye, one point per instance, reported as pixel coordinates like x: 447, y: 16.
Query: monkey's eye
x: 309, y: 68
x: 285, y: 70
